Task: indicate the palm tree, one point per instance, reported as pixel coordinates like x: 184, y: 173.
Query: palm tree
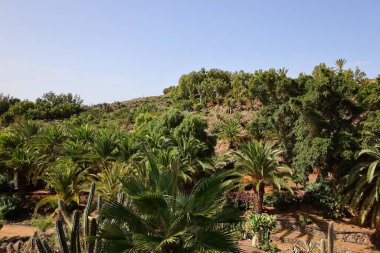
x: 340, y: 64
x: 159, y: 217
x: 25, y: 130
x: 231, y: 131
x: 24, y: 164
x: 259, y: 166
x: 104, y: 146
x: 49, y: 143
x: 66, y: 179
x: 82, y: 133
x: 364, y: 187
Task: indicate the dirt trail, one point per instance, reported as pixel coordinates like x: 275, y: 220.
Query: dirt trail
x: 16, y: 230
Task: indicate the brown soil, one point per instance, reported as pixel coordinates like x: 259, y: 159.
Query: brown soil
x: 16, y: 230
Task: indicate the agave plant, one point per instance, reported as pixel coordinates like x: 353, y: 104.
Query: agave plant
x: 259, y: 165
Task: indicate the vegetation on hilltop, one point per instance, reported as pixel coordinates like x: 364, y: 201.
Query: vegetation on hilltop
x: 165, y: 167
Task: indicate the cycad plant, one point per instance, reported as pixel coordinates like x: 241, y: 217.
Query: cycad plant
x: 231, y: 132
x: 159, y: 217
x: 66, y: 179
x: 364, y: 187
x: 259, y: 166
x: 24, y: 163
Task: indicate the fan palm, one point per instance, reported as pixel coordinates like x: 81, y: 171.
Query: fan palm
x: 364, y: 187
x: 259, y: 165
x: 160, y: 218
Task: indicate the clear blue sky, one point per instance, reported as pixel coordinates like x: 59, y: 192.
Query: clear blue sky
x: 108, y: 50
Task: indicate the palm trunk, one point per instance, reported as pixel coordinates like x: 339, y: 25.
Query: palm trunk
x: 258, y: 200
x: 20, y: 184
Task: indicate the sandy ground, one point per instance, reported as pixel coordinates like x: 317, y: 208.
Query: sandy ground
x: 16, y: 230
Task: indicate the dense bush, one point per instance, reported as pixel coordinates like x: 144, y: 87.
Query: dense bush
x: 324, y: 196
x: 9, y: 206
x: 6, y: 184
x: 281, y: 200
x: 49, y: 106
x: 262, y: 225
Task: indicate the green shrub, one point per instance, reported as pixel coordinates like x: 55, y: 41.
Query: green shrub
x: 305, y: 220
x: 262, y: 224
x: 281, y: 200
x: 325, y: 197
x: 198, y: 107
x: 6, y: 184
x: 43, y: 223
x: 9, y: 206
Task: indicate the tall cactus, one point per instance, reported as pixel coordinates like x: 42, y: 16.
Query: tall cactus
x: 63, y: 213
x: 323, y: 246
x: 92, y: 233
x: 61, y: 236
x: 75, y: 241
x: 87, y: 210
x: 330, y: 237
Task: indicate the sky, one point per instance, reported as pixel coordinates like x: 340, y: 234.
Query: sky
x: 115, y: 50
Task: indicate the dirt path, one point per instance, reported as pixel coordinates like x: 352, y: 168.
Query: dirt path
x: 16, y: 230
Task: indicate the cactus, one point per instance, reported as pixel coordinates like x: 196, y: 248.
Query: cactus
x: 40, y: 246
x: 61, y: 237
x: 88, y: 209
x: 64, y: 215
x: 323, y: 246
x: 120, y: 196
x: 99, y: 204
x: 75, y: 242
x: 46, y: 247
x: 92, y: 232
x: 330, y: 237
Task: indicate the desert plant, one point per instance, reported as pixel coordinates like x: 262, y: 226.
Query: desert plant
x: 261, y: 226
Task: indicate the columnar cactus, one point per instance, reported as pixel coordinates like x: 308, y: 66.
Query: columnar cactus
x: 323, y: 246
x: 330, y: 237
x: 87, y: 210
x: 61, y: 236
x: 75, y: 245
x: 92, y: 232
x: 75, y: 241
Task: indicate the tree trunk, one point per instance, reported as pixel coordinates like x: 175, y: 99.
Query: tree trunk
x: 258, y: 200
x: 21, y: 184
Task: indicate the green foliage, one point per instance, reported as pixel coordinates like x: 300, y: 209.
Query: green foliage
x: 262, y: 224
x: 9, y: 206
x: 281, y: 200
x: 162, y: 218
x: 6, y: 184
x: 363, y: 186
x: 259, y: 166
x: 43, y: 223
x: 324, y: 196
x: 305, y: 220
x: 49, y: 106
